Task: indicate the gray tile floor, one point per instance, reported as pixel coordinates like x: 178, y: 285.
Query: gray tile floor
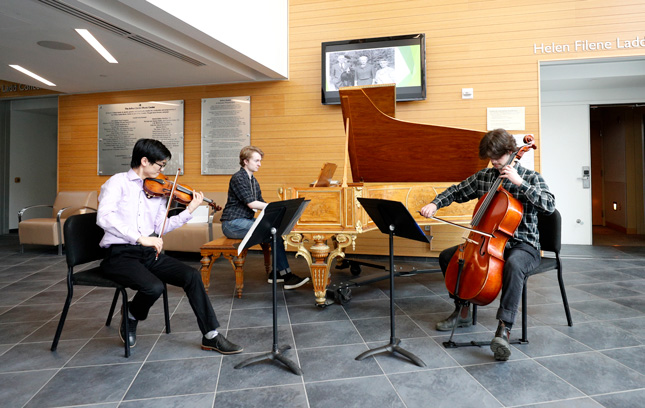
x: 600, y: 361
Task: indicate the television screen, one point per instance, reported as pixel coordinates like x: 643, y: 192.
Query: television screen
x: 384, y: 60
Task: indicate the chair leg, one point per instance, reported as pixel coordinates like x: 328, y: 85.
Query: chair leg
x: 60, y: 249
x: 564, y: 295
x: 474, y: 315
x: 124, y: 295
x: 524, y: 338
x: 61, y: 322
x: 165, y: 308
x: 266, y: 250
x: 114, y: 299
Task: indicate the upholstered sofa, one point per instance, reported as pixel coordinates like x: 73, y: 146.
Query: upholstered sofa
x: 204, y: 227
x: 49, y: 231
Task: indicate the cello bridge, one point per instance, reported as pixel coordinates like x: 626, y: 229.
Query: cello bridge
x: 472, y: 241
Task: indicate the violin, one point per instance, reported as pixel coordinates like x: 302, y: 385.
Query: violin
x: 475, y: 271
x: 162, y: 187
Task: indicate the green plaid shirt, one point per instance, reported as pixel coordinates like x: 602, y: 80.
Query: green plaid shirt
x: 533, y: 193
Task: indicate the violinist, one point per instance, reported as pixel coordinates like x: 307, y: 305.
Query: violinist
x: 132, y: 223
x: 521, y: 254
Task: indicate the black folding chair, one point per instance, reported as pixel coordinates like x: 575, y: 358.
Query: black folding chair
x: 82, y: 237
x: 550, y: 227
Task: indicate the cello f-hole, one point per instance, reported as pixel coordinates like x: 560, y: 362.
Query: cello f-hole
x: 483, y: 246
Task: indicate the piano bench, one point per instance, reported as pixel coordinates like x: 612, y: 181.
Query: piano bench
x: 227, y: 248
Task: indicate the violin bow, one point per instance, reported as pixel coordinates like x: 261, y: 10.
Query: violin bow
x: 170, y: 198
x: 486, y: 234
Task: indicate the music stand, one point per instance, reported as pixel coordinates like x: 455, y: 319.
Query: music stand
x: 277, y: 219
x: 392, y: 218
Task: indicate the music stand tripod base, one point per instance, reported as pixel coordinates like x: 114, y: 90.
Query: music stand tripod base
x: 392, y: 217
x: 392, y: 348
x: 276, y: 354
x: 274, y: 220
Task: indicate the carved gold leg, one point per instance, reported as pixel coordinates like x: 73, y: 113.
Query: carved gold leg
x: 319, y: 270
x: 319, y: 259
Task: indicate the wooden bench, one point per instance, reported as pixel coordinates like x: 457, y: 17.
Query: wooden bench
x: 227, y: 248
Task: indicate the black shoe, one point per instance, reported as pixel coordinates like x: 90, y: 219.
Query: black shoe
x: 455, y: 320
x: 292, y: 281
x: 132, y: 329
x: 500, y: 346
x: 221, y: 344
x: 279, y: 280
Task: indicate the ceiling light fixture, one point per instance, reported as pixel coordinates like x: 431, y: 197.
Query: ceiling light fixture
x: 31, y: 74
x: 87, y: 36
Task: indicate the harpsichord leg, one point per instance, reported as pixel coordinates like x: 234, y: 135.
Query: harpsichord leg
x: 320, y: 257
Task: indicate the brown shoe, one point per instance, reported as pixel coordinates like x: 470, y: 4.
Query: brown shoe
x: 500, y: 346
x: 455, y: 320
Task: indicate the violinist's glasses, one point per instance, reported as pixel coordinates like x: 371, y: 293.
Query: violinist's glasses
x: 161, y: 165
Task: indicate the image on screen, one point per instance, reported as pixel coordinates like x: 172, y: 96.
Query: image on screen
x: 399, y: 60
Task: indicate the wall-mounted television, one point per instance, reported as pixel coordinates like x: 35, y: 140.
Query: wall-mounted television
x: 398, y: 59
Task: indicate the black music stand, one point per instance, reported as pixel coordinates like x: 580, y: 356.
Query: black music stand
x: 277, y: 219
x: 392, y: 218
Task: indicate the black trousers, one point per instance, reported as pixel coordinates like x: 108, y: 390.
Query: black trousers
x: 135, y: 267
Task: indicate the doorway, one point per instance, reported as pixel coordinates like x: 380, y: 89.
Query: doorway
x: 30, y: 159
x: 617, y: 169
x: 568, y: 89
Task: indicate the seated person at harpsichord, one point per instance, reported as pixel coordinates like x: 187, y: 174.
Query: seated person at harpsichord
x: 244, y: 198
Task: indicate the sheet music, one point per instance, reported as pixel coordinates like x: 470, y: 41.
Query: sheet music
x: 250, y: 233
x: 289, y: 212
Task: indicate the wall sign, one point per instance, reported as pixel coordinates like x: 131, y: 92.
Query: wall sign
x: 122, y: 124
x: 226, y: 128
x: 619, y: 43
x: 512, y: 118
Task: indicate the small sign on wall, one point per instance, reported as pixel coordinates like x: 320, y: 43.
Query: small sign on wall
x: 506, y: 118
x: 226, y: 129
x: 122, y: 124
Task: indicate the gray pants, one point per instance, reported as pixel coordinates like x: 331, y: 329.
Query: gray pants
x: 520, y: 263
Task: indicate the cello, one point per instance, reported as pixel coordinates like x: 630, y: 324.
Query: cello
x: 474, y: 273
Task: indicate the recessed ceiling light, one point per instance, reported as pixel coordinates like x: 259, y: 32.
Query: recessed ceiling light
x: 55, y: 45
x: 87, y: 36
x: 31, y: 74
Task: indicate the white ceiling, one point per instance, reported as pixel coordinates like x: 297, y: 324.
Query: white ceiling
x: 24, y: 23
x: 590, y: 74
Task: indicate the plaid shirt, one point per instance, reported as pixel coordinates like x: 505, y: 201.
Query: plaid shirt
x: 533, y: 193
x: 241, y: 192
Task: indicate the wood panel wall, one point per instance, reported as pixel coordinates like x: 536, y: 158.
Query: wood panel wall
x: 487, y: 45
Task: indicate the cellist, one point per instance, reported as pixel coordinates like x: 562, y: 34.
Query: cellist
x: 521, y: 254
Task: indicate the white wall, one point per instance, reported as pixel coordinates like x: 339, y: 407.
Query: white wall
x: 33, y: 144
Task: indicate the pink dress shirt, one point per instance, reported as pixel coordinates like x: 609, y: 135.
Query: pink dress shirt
x: 125, y: 213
